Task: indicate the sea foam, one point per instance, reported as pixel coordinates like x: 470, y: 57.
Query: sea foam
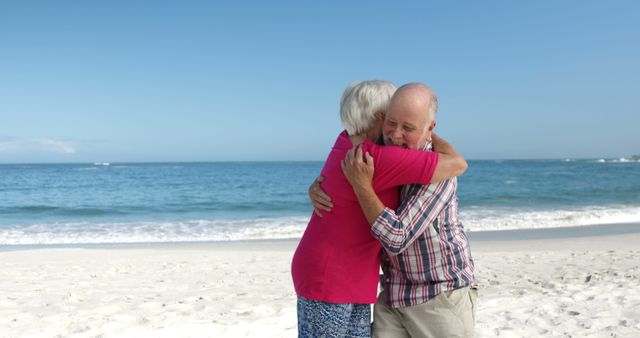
x: 473, y: 219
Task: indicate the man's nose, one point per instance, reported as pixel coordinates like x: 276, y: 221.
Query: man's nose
x: 396, y: 134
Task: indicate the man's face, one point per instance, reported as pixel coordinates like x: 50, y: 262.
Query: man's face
x: 407, y: 127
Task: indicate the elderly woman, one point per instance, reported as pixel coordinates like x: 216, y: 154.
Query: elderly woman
x: 335, y: 267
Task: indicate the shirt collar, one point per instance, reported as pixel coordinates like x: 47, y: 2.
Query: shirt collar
x: 428, y: 146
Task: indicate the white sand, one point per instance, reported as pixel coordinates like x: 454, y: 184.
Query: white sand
x: 582, y: 287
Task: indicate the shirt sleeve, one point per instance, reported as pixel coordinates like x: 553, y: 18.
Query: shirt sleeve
x: 394, y: 166
x: 397, y: 230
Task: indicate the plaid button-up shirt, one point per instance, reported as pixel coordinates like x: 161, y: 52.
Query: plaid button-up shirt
x: 426, y: 248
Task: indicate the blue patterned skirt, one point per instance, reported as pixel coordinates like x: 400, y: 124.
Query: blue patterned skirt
x: 319, y: 319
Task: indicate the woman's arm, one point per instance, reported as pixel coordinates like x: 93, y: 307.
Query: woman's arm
x: 450, y: 164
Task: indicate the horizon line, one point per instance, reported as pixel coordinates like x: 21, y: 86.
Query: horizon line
x: 107, y: 163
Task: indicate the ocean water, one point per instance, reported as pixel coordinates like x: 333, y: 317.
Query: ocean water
x: 175, y: 202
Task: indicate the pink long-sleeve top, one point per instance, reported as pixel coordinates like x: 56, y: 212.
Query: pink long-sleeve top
x: 337, y: 259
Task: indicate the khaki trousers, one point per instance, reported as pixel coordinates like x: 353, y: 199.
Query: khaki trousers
x: 450, y: 314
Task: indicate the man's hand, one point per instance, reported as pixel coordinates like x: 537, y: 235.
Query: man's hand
x: 319, y: 199
x: 359, y: 172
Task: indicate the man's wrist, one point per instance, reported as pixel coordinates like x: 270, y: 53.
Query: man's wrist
x: 363, y: 190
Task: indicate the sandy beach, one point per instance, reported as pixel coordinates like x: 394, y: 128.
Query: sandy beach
x: 583, y: 285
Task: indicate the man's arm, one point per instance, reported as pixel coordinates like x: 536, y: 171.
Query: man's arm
x: 359, y: 172
x: 396, y: 231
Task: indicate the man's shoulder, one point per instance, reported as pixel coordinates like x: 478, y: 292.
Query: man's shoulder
x: 424, y: 188
x: 423, y: 191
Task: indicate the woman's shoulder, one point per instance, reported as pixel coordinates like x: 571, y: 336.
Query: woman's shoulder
x: 370, y: 146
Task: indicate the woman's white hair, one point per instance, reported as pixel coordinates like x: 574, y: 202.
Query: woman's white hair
x: 361, y: 101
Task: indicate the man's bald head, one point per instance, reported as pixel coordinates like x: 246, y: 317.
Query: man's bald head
x: 410, y: 118
x: 419, y: 97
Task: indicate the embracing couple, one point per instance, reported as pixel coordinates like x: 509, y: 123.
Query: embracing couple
x: 386, y: 198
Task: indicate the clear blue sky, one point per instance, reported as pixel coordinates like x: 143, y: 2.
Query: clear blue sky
x: 210, y: 81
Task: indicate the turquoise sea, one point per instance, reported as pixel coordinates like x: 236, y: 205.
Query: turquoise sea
x: 170, y: 202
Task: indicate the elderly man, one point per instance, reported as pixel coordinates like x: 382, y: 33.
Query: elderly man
x: 428, y: 283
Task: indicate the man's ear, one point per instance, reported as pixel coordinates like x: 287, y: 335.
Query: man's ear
x: 379, y: 115
x: 432, y: 126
